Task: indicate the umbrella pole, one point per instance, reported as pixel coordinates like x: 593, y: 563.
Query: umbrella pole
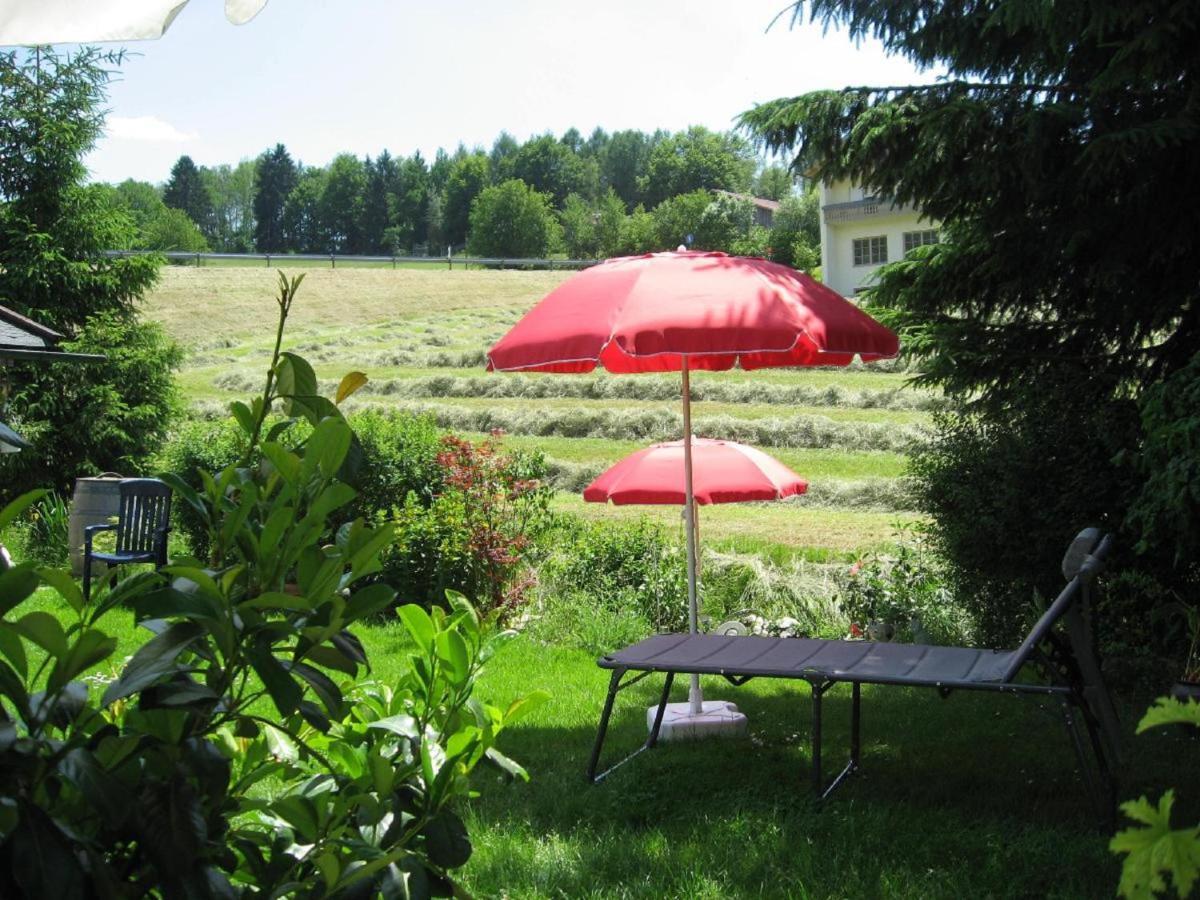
x: 695, y: 698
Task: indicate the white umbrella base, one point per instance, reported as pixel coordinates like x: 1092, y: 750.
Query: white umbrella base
x: 718, y: 718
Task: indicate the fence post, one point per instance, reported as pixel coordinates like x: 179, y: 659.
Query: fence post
x: 197, y: 260
x: 268, y: 260
x: 332, y: 261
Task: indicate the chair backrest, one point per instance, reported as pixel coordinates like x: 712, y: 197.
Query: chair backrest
x: 1081, y: 563
x: 144, y: 516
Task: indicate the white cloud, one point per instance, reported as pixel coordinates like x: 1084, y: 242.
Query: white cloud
x: 145, y: 128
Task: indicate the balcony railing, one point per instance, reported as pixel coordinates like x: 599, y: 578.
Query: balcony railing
x: 862, y: 209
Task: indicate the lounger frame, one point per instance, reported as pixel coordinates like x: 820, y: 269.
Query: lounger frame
x: 1066, y: 663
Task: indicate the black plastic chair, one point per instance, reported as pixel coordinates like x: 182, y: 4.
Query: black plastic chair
x: 142, y: 523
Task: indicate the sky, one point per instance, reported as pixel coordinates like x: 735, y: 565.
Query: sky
x: 359, y: 76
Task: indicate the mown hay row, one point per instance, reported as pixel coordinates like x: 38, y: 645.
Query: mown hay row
x: 803, y: 431
x: 649, y: 388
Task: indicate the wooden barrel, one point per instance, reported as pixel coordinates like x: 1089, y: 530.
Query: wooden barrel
x: 96, y: 501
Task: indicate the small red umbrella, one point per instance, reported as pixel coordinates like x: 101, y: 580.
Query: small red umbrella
x: 673, y: 312
x: 713, y: 472
x: 722, y: 472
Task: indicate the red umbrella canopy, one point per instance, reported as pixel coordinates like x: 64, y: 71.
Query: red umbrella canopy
x: 722, y: 472
x: 645, y: 313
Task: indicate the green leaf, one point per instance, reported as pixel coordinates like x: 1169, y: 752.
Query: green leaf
x: 327, y: 864
x: 66, y: 586
x: 171, y: 602
x: 446, y: 840
x: 155, y: 659
x: 294, y: 377
x: 285, y: 692
x: 1170, y: 711
x: 170, y: 823
x: 331, y: 658
x: 99, y: 788
x: 278, y: 600
x: 405, y: 726
x: 44, y: 630
x: 350, y: 646
x: 511, y: 766
x: 419, y: 625
x: 245, y: 418
x: 301, y: 814
x: 90, y: 648
x: 327, y: 446
x: 43, y: 864
x: 13, y: 688
x: 523, y: 706
x: 1156, y: 850
x: 14, y: 651
x: 279, y: 744
x: 286, y: 463
x: 372, y: 599
x: 350, y: 383
x: 17, y: 584
x: 312, y: 407
x: 327, y: 692
x: 452, y: 651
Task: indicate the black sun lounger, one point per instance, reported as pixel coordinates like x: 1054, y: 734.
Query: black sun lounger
x: 1065, y: 662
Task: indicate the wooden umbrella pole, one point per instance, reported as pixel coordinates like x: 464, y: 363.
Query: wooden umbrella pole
x: 689, y: 515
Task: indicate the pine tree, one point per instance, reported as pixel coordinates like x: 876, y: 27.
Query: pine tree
x: 275, y: 177
x: 1061, y: 152
x: 187, y: 191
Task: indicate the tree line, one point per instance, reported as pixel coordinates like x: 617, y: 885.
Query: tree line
x: 604, y: 195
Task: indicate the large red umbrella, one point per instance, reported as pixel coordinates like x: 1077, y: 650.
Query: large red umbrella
x: 667, y: 312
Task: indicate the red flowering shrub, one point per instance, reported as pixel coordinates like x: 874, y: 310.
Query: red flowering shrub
x: 476, y: 534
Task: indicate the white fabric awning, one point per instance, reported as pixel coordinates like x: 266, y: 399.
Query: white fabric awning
x: 26, y: 22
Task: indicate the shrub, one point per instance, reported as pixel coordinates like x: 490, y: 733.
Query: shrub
x: 1005, y: 499
x: 475, y: 534
x: 397, y: 456
x: 632, y: 567
x: 197, y: 446
x: 906, y: 590
x: 111, y: 416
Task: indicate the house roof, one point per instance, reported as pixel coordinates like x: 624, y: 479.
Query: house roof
x: 760, y: 202
x: 23, y: 338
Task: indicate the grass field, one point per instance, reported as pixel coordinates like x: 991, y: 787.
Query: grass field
x: 420, y: 335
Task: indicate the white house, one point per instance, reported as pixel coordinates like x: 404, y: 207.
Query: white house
x: 860, y: 232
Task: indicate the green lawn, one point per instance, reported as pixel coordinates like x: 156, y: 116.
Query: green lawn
x: 974, y: 796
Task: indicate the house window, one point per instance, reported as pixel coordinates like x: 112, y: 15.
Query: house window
x: 870, y: 251
x: 914, y: 239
